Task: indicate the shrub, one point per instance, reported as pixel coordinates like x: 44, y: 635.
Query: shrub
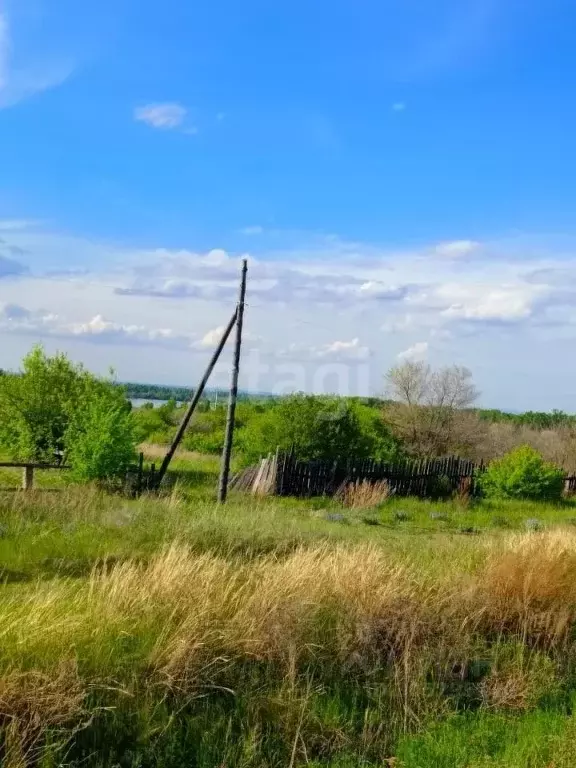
x: 522, y: 474
x: 100, y: 439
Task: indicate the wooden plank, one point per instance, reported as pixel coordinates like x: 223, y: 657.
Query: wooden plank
x: 33, y: 465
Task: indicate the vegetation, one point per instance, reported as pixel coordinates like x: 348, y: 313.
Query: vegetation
x: 170, y: 632
x: 56, y: 409
x: 137, y: 391
x: 317, y: 428
x: 365, y: 630
x: 523, y: 474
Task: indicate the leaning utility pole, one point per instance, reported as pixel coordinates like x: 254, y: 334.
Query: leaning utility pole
x: 194, y: 402
x: 229, y: 434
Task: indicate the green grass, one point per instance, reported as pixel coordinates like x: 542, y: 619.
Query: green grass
x: 538, y: 739
x: 283, y: 632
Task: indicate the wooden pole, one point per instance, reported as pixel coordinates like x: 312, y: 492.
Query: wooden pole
x: 28, y: 478
x: 229, y: 434
x: 194, y: 402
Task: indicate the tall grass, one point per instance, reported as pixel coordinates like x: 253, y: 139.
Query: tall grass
x: 329, y: 652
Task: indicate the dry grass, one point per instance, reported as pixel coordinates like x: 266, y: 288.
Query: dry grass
x: 152, y: 452
x: 363, y: 494
x: 188, y: 624
x: 529, y: 587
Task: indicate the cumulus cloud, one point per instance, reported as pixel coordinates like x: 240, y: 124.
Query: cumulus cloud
x: 342, y: 291
x: 351, y: 350
x: 507, y: 303
x: 41, y: 323
x: 166, y: 116
x: 416, y: 352
x: 335, y: 351
x: 17, y: 318
x: 100, y: 329
x: 212, y: 338
x: 214, y: 277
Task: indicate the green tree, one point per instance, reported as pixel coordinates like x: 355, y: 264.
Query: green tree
x: 35, y: 406
x: 54, y: 406
x: 206, y: 432
x: 523, y: 474
x: 156, y: 425
x: 317, y: 428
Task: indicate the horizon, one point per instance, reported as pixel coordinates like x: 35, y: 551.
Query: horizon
x: 399, y: 176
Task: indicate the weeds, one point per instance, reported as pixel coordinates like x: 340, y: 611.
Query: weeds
x: 363, y: 494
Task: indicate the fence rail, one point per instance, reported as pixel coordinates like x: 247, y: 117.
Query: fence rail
x: 28, y: 473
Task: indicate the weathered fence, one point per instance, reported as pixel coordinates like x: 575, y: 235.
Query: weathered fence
x: 28, y: 470
x: 425, y: 478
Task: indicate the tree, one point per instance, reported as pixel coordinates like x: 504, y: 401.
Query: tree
x: 35, y: 406
x: 316, y: 428
x: 428, y: 410
x: 54, y: 406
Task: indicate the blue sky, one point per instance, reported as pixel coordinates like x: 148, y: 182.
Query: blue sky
x: 401, y: 174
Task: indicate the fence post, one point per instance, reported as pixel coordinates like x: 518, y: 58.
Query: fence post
x: 28, y: 478
x: 140, y: 473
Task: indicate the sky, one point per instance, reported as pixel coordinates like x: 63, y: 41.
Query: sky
x: 400, y: 175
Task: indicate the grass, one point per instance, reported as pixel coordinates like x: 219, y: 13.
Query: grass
x: 274, y: 632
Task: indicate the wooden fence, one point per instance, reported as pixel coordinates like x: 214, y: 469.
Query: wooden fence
x: 425, y: 478
x: 28, y: 470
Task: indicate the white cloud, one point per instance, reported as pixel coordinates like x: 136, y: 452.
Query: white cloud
x: 374, y: 289
x: 42, y: 323
x: 398, y: 106
x: 351, y: 350
x: 314, y: 303
x: 253, y: 230
x: 455, y: 249
x: 165, y: 116
x: 416, y: 352
x: 211, y: 338
x: 334, y: 351
x: 505, y: 303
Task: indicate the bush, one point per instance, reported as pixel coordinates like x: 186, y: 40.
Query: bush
x: 100, y: 439
x: 523, y: 474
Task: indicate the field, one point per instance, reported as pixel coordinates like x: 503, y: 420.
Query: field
x: 172, y: 632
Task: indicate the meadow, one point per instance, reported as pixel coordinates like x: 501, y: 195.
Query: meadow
x: 275, y: 632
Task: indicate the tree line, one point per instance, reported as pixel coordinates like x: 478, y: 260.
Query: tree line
x: 55, y: 408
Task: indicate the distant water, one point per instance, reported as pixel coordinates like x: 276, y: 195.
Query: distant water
x: 137, y: 402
